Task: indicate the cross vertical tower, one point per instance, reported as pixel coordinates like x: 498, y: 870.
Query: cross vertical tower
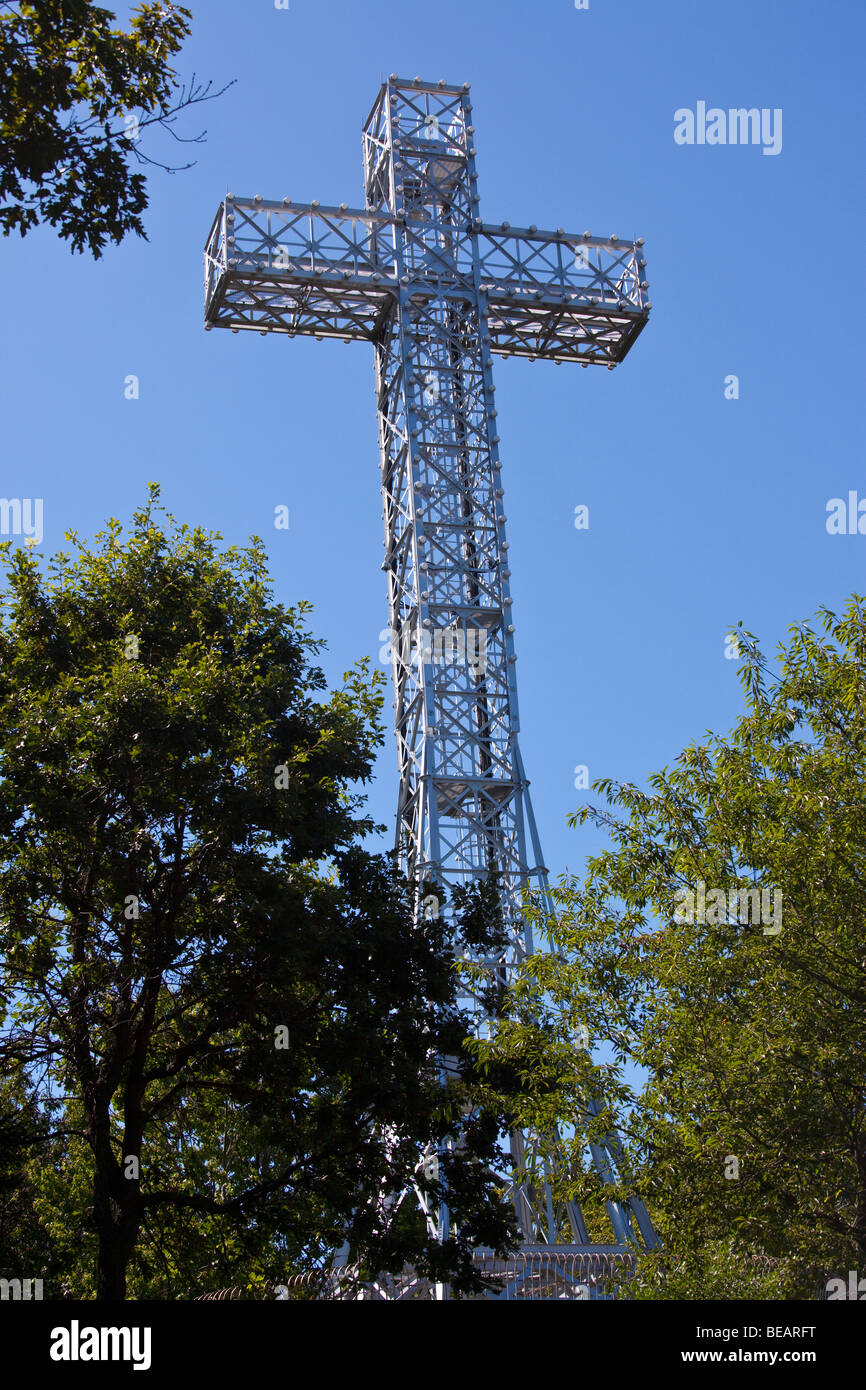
x: 437, y: 292
x: 462, y: 810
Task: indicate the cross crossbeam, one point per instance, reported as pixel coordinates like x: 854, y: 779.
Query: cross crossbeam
x: 336, y: 272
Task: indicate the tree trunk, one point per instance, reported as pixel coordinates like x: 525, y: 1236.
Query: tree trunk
x: 860, y: 1223
x: 117, y: 1230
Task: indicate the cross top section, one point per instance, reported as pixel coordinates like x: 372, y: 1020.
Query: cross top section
x: 419, y: 155
x: 336, y: 271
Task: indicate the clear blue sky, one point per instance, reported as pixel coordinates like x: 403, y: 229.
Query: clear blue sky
x: 702, y: 510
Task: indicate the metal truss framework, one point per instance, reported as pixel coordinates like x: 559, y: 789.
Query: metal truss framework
x: 535, y: 1272
x: 437, y: 292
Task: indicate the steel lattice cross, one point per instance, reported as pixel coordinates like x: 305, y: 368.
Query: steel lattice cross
x: 437, y: 292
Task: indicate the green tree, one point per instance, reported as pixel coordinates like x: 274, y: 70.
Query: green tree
x: 26, y: 1249
x: 75, y: 96
x: 221, y: 994
x: 714, y: 958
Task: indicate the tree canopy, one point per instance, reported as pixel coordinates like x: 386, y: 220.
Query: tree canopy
x: 76, y: 94
x: 218, y: 1014
x: 707, y: 984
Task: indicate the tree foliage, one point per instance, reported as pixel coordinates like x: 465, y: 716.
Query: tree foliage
x: 219, y: 998
x: 728, y: 1039
x: 76, y: 94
